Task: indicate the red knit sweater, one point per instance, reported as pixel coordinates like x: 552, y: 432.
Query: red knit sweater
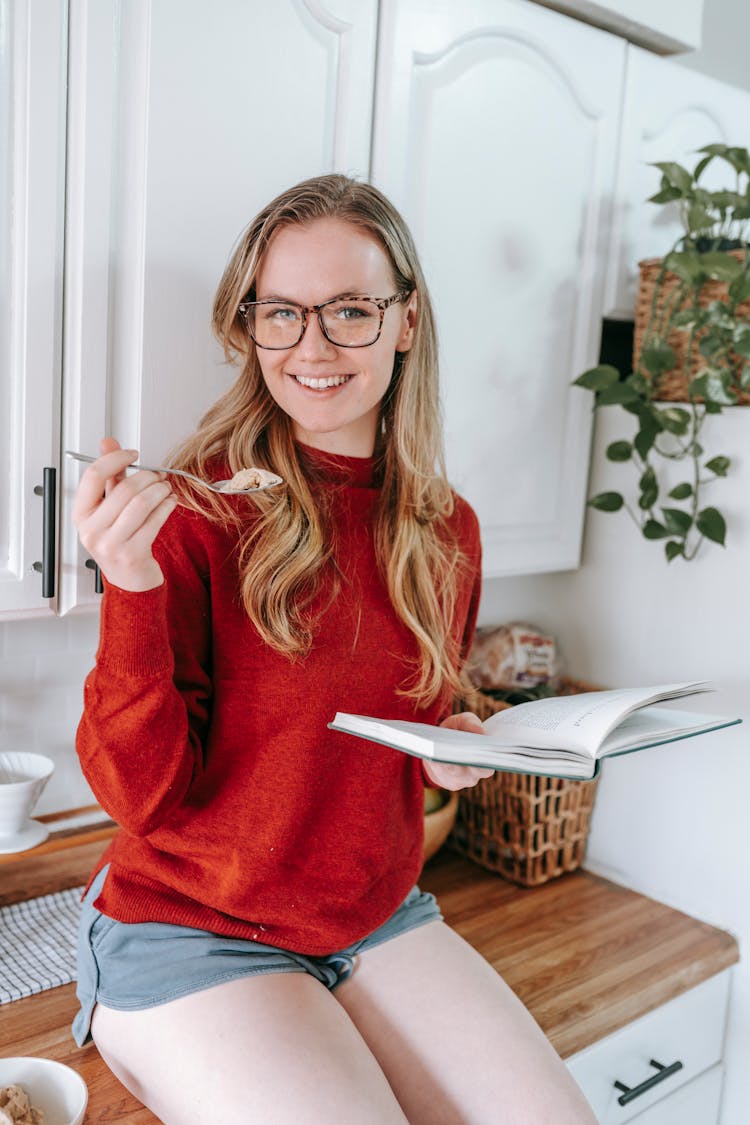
x: 241, y: 813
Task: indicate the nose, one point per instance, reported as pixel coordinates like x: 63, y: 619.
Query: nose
x: 314, y: 342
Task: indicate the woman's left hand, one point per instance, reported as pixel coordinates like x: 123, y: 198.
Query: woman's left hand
x: 443, y: 775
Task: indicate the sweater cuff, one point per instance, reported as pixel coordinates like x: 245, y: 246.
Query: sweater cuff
x: 133, y: 633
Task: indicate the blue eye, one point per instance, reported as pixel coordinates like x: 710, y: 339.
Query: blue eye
x: 354, y: 310
x: 280, y: 313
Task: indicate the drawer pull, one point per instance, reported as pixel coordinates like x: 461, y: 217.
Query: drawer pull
x: 662, y: 1072
x: 46, y: 568
x: 98, y: 584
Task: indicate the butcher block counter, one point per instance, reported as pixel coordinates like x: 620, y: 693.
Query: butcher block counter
x: 586, y: 956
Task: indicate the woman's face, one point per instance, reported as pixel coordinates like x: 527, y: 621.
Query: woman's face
x: 308, y: 265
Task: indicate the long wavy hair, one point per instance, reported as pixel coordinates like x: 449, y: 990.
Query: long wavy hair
x: 288, y: 549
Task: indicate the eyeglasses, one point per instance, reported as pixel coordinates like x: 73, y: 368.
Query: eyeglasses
x: 347, y: 322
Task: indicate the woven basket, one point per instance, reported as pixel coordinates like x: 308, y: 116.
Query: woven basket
x: 525, y: 827
x: 673, y: 384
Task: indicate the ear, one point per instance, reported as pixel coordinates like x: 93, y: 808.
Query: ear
x: 409, y: 314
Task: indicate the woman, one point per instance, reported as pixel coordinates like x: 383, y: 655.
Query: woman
x: 253, y: 946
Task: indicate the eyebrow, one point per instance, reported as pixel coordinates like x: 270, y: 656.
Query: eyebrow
x: 347, y: 293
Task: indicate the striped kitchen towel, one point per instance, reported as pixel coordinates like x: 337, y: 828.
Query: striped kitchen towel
x: 38, y: 944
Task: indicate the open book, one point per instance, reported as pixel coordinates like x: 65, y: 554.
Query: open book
x: 564, y: 736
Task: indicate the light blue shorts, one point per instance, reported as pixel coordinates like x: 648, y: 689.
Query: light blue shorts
x: 130, y: 966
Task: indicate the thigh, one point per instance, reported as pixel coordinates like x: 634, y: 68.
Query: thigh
x: 276, y: 1047
x: 455, y: 1043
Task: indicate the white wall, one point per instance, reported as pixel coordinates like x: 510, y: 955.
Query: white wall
x: 672, y: 822
x: 725, y: 43
x: 43, y: 663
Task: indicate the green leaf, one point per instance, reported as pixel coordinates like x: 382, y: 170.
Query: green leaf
x: 676, y: 419
x: 618, y: 394
x: 712, y: 524
x: 711, y: 343
x: 745, y: 377
x: 712, y: 407
x: 677, y: 521
x: 619, y: 451
x: 652, y: 529
x: 650, y: 428
x: 713, y: 386
x: 672, y: 549
x: 739, y: 288
x: 658, y: 358
x: 738, y: 158
x: 726, y: 199
x: 720, y: 266
x: 686, y: 318
x: 716, y: 149
x: 718, y: 465
x: 649, y: 487
x: 665, y: 195
x: 741, y: 212
x: 607, y: 501
x: 681, y: 491
x: 701, y: 167
x: 742, y: 342
x: 698, y: 217
x: 596, y: 378
x: 675, y: 175
x: 638, y: 382
x: 686, y: 264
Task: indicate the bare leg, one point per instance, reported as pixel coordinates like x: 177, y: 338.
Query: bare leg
x: 455, y: 1043
x: 274, y: 1048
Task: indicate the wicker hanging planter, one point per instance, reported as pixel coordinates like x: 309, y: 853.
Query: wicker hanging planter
x: 673, y: 384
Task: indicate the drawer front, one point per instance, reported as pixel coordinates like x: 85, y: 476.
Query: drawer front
x: 698, y: 1103
x: 689, y: 1029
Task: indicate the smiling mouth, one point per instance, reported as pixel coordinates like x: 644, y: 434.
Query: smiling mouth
x: 324, y: 383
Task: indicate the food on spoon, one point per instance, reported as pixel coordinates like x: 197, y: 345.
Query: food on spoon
x: 16, y: 1109
x: 250, y: 478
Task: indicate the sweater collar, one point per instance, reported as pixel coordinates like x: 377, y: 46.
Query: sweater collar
x: 336, y: 468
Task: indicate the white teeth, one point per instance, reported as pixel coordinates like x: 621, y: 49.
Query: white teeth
x: 320, y: 384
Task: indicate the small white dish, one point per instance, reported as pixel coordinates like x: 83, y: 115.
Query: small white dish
x: 56, y: 1089
x: 23, y: 776
x: 32, y: 834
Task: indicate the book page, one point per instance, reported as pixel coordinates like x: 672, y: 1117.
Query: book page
x: 578, y: 722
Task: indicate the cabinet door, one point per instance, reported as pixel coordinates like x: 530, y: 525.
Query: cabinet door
x: 32, y: 149
x: 698, y: 1103
x: 186, y: 118
x: 669, y: 112
x: 688, y: 1029
x: 495, y: 134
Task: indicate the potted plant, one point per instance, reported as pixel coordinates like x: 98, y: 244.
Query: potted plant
x: 692, y: 346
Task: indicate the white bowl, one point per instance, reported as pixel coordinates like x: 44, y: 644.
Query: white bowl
x: 23, y: 776
x: 56, y: 1089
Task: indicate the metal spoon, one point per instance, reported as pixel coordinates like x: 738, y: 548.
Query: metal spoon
x: 213, y: 486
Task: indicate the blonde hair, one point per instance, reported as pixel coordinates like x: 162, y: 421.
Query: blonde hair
x: 286, y: 550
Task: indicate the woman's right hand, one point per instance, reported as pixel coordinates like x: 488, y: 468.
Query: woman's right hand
x: 118, y: 517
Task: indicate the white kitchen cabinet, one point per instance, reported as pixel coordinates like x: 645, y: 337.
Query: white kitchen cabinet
x: 688, y: 1031
x: 669, y: 112
x: 183, y: 119
x: 32, y: 193
x: 496, y: 129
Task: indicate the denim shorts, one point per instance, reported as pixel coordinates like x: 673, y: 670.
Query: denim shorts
x: 131, y: 966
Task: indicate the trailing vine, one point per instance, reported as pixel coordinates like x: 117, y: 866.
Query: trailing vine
x: 713, y: 247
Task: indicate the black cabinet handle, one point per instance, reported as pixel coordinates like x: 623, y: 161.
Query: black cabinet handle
x: 48, y: 492
x: 98, y: 583
x: 662, y: 1072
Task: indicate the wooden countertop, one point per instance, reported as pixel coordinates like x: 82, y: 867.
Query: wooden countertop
x: 586, y: 956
